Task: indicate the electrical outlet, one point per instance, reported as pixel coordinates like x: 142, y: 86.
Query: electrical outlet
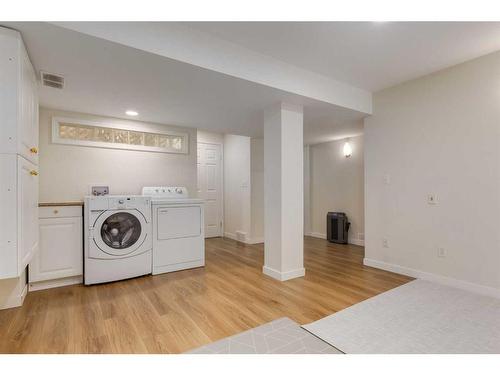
x: 432, y: 199
x: 441, y: 252
x: 387, y: 179
x: 385, y: 242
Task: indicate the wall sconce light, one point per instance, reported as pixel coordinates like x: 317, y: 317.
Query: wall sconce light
x: 347, y: 149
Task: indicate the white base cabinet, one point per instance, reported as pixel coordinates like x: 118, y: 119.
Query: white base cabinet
x: 60, y: 257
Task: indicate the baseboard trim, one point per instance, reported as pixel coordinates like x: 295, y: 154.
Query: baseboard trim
x: 49, y: 284
x: 357, y: 242
x: 317, y: 235
x: 254, y: 241
x: 352, y: 241
x: 460, y: 284
x: 15, y: 300
x: 283, y: 276
x: 250, y: 241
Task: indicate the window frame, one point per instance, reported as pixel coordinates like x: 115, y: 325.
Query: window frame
x: 56, y: 139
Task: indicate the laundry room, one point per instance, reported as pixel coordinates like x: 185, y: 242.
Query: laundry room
x: 183, y: 187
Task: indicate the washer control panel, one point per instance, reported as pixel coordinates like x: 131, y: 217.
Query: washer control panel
x: 128, y: 202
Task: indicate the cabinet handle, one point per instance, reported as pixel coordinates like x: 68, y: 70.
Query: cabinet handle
x: 34, y: 173
x: 34, y: 150
x: 56, y: 212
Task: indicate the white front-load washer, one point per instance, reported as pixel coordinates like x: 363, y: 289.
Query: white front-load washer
x: 118, y: 238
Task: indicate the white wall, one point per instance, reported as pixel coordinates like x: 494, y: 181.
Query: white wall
x: 257, y: 189
x: 210, y: 137
x: 337, y: 184
x: 307, y: 190
x: 237, y: 198
x: 437, y: 135
x: 66, y: 171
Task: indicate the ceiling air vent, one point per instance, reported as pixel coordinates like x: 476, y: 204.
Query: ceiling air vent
x: 52, y: 80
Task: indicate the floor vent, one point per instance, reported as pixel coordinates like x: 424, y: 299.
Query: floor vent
x: 241, y: 236
x: 52, y: 80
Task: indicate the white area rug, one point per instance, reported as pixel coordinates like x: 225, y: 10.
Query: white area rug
x: 281, y: 336
x: 418, y: 317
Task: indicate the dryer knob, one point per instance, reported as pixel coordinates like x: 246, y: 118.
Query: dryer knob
x: 121, y: 201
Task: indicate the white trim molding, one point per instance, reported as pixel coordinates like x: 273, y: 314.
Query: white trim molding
x: 283, y: 276
x: 249, y: 241
x: 460, y: 284
x: 15, y: 300
x: 317, y: 235
x: 48, y: 284
x: 352, y: 241
x: 256, y: 240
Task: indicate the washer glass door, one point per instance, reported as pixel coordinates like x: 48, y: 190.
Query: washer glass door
x: 120, y: 233
x: 121, y: 230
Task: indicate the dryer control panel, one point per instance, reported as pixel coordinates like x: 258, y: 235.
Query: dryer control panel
x: 166, y: 192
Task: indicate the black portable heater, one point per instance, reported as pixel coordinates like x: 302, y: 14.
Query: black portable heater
x: 337, y: 226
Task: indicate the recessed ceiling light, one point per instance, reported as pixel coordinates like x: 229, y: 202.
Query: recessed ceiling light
x: 131, y: 113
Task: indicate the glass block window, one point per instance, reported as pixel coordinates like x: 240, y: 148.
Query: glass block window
x: 86, y: 133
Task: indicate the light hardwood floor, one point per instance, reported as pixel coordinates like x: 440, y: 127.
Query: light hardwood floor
x: 174, y: 312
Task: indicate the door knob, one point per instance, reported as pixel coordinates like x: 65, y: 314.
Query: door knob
x: 34, y: 150
x: 34, y: 173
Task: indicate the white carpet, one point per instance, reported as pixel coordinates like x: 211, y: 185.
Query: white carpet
x: 418, y: 317
x: 281, y: 336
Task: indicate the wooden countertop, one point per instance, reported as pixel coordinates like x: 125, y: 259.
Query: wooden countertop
x: 59, y: 204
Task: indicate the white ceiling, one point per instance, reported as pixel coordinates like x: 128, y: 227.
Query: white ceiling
x: 368, y: 55
x: 106, y: 78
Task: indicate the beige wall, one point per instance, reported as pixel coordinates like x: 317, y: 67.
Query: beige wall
x: 437, y: 135
x: 257, y: 193
x: 66, y: 171
x: 210, y: 137
x: 237, y: 200
x: 337, y: 184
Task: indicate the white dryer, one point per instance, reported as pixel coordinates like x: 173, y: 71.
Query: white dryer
x: 178, y: 229
x: 118, y: 240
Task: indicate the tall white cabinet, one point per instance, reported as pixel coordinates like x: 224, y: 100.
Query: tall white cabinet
x: 18, y: 156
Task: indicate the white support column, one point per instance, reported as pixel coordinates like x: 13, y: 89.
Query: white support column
x: 284, y: 192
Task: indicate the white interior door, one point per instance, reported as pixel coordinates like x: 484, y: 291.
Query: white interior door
x: 210, y: 186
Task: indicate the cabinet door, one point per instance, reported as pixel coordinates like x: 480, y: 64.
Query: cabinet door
x: 27, y: 200
x: 28, y: 111
x: 9, y: 90
x: 8, y: 213
x: 61, y: 252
